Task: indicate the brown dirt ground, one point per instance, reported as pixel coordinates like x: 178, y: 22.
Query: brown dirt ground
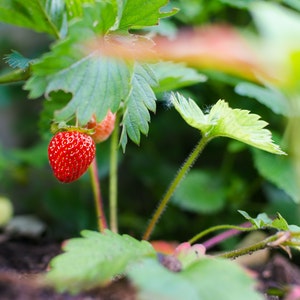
x: 22, y: 261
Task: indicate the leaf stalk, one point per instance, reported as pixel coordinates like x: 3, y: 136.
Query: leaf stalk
x: 113, y: 178
x: 102, y: 224
x: 174, y: 184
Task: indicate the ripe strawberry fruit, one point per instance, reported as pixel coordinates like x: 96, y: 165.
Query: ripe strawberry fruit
x: 102, y: 129
x: 70, y: 153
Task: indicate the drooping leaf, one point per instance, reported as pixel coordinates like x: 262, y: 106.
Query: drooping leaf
x: 199, y: 193
x: 279, y: 171
x: 141, y: 99
x: 172, y: 76
x: 140, y: 13
x: 271, y: 98
x: 198, y: 281
x: 94, y: 259
x: 224, y: 121
x: 40, y: 15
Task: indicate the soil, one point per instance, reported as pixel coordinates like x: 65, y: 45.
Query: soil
x: 22, y: 261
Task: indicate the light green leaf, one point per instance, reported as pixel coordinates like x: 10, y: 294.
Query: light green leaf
x: 95, y: 259
x: 232, y: 280
x: 224, y: 121
x: 75, y: 7
x: 172, y: 76
x: 154, y: 281
x: 280, y: 46
x: 140, y: 13
x: 39, y: 15
x: 199, y: 193
x: 271, y: 98
x: 263, y: 221
x: 141, y: 99
x: 279, y: 170
x: 198, y: 281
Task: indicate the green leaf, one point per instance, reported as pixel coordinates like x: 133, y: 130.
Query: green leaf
x: 279, y: 170
x: 75, y: 7
x: 95, y: 259
x: 271, y: 98
x: 280, y: 46
x: 232, y: 280
x: 39, y: 15
x: 140, y: 13
x: 293, y: 3
x: 199, y: 193
x: 263, y: 221
x: 238, y: 3
x: 172, y: 76
x: 140, y: 100
x: 224, y: 121
x: 198, y: 281
x: 97, y: 83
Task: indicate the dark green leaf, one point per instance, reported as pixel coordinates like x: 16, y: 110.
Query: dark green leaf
x: 39, y: 15
x: 238, y: 3
x: 97, y: 83
x: 201, y: 191
x: 279, y: 171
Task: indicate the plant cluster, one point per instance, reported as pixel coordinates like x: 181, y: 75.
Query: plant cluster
x: 110, y: 63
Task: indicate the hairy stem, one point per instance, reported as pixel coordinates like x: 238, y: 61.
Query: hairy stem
x: 219, y: 238
x: 102, y: 224
x: 250, y: 249
x: 113, y: 178
x: 178, y: 178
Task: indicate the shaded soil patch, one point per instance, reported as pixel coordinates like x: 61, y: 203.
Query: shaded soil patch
x: 23, y: 261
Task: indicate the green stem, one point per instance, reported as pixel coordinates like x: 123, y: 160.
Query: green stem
x: 218, y: 227
x: 178, y: 178
x: 248, y: 250
x: 102, y: 224
x: 15, y: 76
x: 113, y: 178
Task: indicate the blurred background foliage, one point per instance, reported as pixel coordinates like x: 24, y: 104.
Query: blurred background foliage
x: 227, y: 177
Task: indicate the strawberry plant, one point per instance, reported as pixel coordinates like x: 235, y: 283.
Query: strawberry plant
x: 108, y: 66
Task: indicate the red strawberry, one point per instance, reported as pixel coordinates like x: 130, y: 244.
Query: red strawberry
x: 102, y: 129
x: 70, y: 154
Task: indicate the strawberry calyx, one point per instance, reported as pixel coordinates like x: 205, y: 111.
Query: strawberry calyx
x: 62, y: 126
